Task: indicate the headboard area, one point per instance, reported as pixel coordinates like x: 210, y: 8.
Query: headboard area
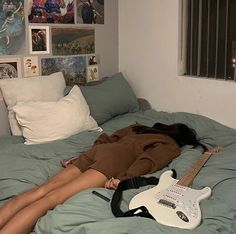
x: 96, y: 95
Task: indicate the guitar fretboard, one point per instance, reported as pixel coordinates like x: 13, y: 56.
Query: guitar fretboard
x: 189, y: 176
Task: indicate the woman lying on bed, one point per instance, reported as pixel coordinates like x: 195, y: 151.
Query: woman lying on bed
x: 132, y: 151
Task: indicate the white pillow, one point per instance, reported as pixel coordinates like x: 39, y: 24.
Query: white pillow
x: 47, y: 121
x: 41, y: 88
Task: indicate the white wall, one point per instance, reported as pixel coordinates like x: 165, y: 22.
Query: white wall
x: 148, y: 52
x: 106, y: 36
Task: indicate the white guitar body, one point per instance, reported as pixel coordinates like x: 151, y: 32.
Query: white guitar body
x: 172, y: 204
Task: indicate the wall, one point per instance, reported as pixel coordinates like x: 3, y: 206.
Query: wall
x: 148, y: 53
x: 106, y: 40
x: 106, y: 45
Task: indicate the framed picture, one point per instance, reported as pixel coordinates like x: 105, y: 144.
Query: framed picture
x: 31, y: 66
x: 10, y: 68
x: 39, y: 39
x: 92, y: 73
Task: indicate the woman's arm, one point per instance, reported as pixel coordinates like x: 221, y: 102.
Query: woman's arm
x: 112, y: 183
x: 116, y: 136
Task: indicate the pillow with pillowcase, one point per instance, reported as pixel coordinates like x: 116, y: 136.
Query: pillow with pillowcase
x: 40, y: 88
x: 110, y: 97
x: 47, y: 121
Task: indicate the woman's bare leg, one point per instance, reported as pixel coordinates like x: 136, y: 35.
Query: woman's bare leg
x: 24, y: 220
x: 21, y: 201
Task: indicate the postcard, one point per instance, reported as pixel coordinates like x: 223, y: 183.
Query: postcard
x: 31, y: 66
x: 93, y: 59
x: 92, y: 73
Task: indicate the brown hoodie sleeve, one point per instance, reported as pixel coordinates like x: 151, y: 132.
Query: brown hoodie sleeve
x: 153, y: 159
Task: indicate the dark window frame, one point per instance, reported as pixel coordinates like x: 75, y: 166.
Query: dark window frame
x: 208, y: 39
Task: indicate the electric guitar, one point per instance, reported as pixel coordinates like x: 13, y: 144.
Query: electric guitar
x: 172, y: 202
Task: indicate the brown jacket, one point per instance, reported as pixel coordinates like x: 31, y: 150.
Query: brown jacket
x: 126, y: 154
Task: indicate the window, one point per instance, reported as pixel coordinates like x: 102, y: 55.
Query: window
x: 208, y: 38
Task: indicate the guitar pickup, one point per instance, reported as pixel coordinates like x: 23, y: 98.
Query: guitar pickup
x: 167, y: 203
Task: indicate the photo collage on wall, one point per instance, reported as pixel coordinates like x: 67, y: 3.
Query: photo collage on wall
x: 40, y: 37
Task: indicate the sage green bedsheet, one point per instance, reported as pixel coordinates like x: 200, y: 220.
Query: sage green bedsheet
x: 23, y: 167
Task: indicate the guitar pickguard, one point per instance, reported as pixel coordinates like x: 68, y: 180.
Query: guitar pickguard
x: 172, y: 204
x: 184, y: 199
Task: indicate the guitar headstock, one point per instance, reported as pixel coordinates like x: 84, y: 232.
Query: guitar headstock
x: 214, y: 150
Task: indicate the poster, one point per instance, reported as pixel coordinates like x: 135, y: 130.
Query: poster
x: 51, y: 11
x: 12, y: 27
x: 73, y: 68
x: 73, y: 41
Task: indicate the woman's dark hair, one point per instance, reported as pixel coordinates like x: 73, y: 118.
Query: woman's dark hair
x: 181, y: 133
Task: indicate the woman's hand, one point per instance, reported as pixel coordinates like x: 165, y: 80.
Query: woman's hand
x: 112, y: 183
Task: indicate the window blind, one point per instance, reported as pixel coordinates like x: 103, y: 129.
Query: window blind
x: 208, y: 43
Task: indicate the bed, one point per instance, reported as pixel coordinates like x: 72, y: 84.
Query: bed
x: 25, y: 166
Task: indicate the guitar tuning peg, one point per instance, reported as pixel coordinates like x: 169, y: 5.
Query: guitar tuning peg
x: 216, y: 149
x: 219, y: 148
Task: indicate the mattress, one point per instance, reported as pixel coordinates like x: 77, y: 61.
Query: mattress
x: 25, y: 166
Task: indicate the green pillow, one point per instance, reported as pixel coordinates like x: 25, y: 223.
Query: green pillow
x: 109, y: 98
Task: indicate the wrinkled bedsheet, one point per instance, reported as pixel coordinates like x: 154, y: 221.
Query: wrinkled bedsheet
x: 25, y: 166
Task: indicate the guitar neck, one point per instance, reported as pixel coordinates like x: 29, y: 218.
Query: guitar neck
x: 189, y: 176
